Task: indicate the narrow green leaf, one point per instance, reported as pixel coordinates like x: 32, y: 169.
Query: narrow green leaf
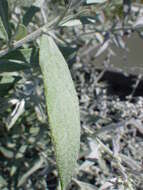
x: 95, y: 1
x: 6, y: 79
x: 21, y: 32
x: 37, y: 165
x: 6, y: 83
x: 62, y: 108
x: 12, y: 65
x: 6, y: 153
x: 4, y: 15
x: 23, y: 55
x: 3, y: 33
x: 17, y: 60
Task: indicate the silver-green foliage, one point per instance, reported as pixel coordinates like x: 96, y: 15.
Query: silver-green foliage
x: 62, y: 108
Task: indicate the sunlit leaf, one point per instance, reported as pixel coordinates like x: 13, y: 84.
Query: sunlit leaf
x: 62, y: 108
x: 104, y: 46
x: 95, y: 1
x: 75, y: 22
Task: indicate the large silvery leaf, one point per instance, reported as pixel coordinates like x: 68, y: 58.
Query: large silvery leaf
x: 62, y: 108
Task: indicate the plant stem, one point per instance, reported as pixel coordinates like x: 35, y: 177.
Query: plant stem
x: 34, y: 35
x: 19, y: 43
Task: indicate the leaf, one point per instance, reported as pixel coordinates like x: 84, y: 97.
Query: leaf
x: 6, y: 83
x: 37, y: 165
x: 88, y: 19
x: 95, y: 1
x: 21, y: 32
x: 139, y: 22
x: 29, y: 14
x: 18, y: 60
x: 6, y: 153
x: 4, y: 15
x: 2, y: 182
x: 62, y: 108
x: 104, y: 46
x: 26, y: 55
x: 6, y: 79
x: 3, y: 33
x: 12, y: 65
x: 74, y: 22
x: 16, y: 113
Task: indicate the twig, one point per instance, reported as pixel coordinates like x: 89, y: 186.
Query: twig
x: 117, y: 159
x: 34, y: 35
x: 19, y: 43
x: 32, y: 170
x: 135, y: 86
